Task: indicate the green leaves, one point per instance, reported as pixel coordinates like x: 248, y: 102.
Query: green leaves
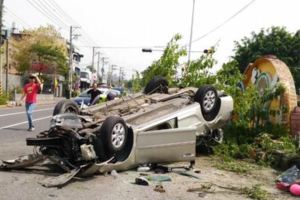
x: 276, y: 41
x: 42, y: 45
x: 167, y: 65
x: 198, y: 73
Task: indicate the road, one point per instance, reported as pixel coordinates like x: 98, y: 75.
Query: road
x: 13, y: 128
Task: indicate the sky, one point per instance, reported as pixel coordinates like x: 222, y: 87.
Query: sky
x: 151, y: 24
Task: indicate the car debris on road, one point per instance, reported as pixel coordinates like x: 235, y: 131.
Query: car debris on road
x: 161, y: 125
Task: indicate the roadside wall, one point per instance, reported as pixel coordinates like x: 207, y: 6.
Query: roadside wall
x: 13, y: 81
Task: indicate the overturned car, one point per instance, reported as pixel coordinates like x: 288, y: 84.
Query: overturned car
x: 160, y: 125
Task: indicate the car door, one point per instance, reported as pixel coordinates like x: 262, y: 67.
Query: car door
x: 166, y: 145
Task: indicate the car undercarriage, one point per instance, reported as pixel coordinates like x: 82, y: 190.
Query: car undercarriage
x: 153, y: 127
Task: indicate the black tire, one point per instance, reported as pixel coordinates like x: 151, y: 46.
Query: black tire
x: 114, y: 133
x: 209, y: 101
x: 65, y: 106
x: 157, y: 85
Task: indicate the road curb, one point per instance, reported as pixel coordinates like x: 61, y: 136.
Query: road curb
x: 12, y: 104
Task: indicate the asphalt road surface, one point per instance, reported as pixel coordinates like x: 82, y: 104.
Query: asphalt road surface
x: 14, y: 125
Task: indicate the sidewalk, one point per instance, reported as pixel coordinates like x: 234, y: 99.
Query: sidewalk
x: 49, y: 101
x: 42, y: 100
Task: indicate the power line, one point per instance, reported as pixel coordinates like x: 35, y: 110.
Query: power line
x: 67, y: 17
x: 57, y: 9
x: 16, y: 17
x: 62, y: 12
x: 52, y: 10
x: 49, y: 12
x: 45, y: 14
x: 116, y: 47
x: 224, y: 22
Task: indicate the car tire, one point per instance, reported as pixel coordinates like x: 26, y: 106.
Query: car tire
x: 209, y: 101
x: 114, y: 133
x: 157, y: 85
x: 65, y: 106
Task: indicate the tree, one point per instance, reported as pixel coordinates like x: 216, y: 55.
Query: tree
x: 136, y: 82
x: 198, y: 73
x: 43, y: 46
x: 276, y: 41
x: 166, y: 66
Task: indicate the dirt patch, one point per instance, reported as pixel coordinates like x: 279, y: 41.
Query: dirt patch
x: 223, y: 185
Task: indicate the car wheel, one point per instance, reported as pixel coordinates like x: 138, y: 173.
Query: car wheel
x: 114, y: 132
x: 209, y: 101
x: 65, y: 106
x: 157, y: 85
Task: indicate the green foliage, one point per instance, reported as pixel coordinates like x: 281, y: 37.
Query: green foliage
x: 276, y: 41
x: 50, y: 55
x: 261, y: 149
x: 136, y: 82
x: 256, y: 192
x: 197, y: 73
x: 228, y: 78
x: 43, y: 45
x: 240, y: 167
x: 3, y: 99
x: 166, y: 66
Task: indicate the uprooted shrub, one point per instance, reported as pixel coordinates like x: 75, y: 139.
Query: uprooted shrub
x: 264, y: 149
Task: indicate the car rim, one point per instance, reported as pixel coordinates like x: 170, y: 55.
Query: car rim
x: 118, y: 135
x: 209, y: 100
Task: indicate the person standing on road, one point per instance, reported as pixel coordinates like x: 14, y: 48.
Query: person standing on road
x: 30, y: 91
x: 94, y: 92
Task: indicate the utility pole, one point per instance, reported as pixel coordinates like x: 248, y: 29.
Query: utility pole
x: 191, y: 35
x: 112, y: 68
x: 120, y: 75
x: 98, y: 66
x: 71, y: 59
x: 93, y: 58
x: 1, y: 14
x: 102, y: 69
x: 6, y: 67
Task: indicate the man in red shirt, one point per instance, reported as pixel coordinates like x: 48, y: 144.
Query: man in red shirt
x: 30, y: 91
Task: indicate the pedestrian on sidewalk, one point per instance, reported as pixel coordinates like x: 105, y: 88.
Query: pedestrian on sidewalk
x: 30, y: 91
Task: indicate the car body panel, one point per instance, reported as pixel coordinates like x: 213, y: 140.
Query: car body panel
x: 162, y: 146
x: 178, y: 143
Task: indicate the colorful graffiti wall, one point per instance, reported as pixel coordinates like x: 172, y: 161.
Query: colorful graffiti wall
x: 266, y: 72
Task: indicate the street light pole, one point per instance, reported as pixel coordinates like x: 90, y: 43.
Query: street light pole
x: 191, y: 35
x: 71, y: 62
